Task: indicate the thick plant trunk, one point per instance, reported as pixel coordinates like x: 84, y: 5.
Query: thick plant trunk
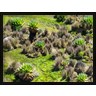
x: 32, y: 34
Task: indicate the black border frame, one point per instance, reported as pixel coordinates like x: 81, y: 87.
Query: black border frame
x: 47, y: 13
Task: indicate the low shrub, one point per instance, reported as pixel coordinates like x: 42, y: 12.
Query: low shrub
x: 25, y: 68
x: 81, y: 54
x: 82, y: 77
x: 86, y: 24
x: 40, y: 44
x: 16, y: 23
x: 88, y: 20
x: 26, y: 72
x: 32, y: 29
x: 32, y: 24
x: 79, y: 41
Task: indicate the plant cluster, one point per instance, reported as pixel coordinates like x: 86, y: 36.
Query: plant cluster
x: 40, y: 44
x: 25, y: 68
x: 79, y: 41
x: 26, y: 72
x: 32, y: 24
x: 16, y: 23
x: 88, y: 20
x: 82, y: 77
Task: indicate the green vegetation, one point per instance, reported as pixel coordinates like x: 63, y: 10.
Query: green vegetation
x: 44, y: 21
x: 88, y: 20
x: 40, y: 44
x: 47, y: 45
x: 33, y: 24
x: 81, y: 53
x: 79, y: 41
x: 16, y: 23
x: 42, y: 63
x: 9, y: 77
x: 25, y: 68
x: 82, y: 77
